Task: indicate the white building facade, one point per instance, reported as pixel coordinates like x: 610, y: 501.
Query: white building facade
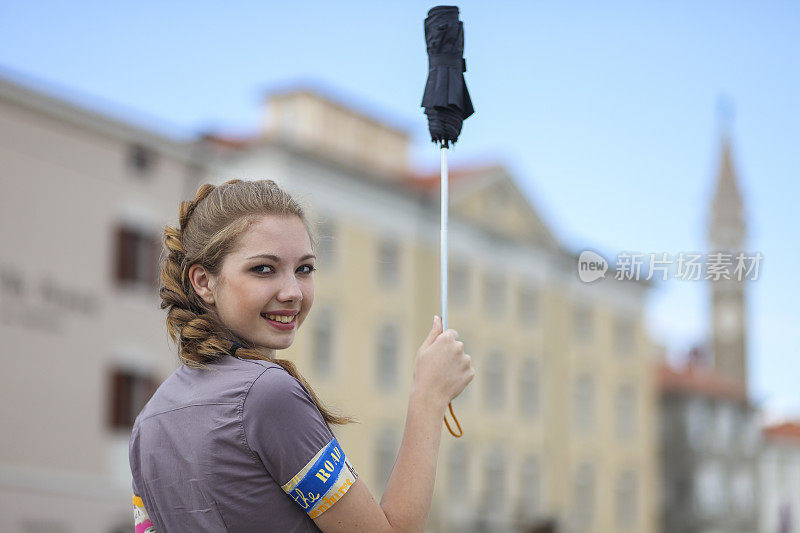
x: 780, y: 479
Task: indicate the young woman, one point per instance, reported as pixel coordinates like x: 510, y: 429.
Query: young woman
x: 235, y: 439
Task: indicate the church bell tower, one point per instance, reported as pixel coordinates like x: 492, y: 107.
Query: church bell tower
x: 726, y: 234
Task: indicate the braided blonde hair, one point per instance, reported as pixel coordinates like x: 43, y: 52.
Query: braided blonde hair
x: 210, y: 228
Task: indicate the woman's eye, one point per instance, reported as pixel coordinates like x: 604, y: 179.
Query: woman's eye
x: 258, y: 271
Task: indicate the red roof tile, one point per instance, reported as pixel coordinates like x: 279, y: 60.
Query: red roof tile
x: 228, y: 142
x: 693, y: 378
x: 788, y: 431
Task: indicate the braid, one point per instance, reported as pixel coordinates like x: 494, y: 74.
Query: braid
x: 191, y: 323
x: 188, y: 207
x: 188, y: 321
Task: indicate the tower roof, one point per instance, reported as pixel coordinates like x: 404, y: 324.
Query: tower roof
x: 727, y: 225
x: 727, y: 181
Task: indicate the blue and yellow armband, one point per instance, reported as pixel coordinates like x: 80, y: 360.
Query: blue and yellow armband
x: 322, y: 481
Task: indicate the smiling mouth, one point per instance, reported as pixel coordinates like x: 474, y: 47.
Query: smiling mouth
x: 280, y: 321
x: 283, y: 319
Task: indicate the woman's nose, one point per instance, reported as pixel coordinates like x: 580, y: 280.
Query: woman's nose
x: 290, y: 289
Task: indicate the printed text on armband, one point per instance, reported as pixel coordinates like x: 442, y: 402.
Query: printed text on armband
x: 322, y: 481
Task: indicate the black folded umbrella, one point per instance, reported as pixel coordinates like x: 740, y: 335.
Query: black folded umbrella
x: 446, y: 99
x: 447, y: 103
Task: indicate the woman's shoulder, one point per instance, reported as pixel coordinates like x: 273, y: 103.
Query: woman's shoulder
x: 253, y: 365
x: 226, y: 380
x: 278, y: 409
x: 273, y: 380
x: 265, y: 380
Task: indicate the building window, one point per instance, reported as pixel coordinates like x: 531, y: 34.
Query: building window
x: 624, y: 336
x: 136, y: 257
x: 582, y: 321
x: 725, y: 426
x: 322, y: 339
x: 327, y: 235
x: 495, y: 479
x: 387, y: 356
x: 494, y: 292
x: 529, y: 388
x: 388, y: 262
x: 385, y: 455
x: 129, y: 392
x: 528, y: 305
x: 141, y: 159
x: 698, y: 421
x: 584, y: 403
x: 458, y: 282
x: 496, y: 381
x: 626, y: 500
x: 743, y: 491
x: 530, y: 489
x: 626, y: 413
x: 710, y: 489
x: 584, y: 496
x: 750, y: 431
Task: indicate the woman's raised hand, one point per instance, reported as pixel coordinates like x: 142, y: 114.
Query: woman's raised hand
x: 442, y: 369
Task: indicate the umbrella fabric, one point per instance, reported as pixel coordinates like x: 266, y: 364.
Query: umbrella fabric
x: 446, y: 99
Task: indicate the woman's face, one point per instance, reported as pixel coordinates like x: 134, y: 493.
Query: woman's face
x: 270, y: 271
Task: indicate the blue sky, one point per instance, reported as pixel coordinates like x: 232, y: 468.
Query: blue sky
x: 606, y: 114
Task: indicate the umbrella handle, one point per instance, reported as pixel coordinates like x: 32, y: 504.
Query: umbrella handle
x: 445, y: 181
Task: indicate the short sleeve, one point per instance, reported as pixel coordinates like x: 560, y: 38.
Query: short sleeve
x: 284, y: 428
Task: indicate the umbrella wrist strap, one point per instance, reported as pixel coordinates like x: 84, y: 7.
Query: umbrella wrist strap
x: 446, y: 423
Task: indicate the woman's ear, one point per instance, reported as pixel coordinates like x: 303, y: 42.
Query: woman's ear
x: 202, y: 282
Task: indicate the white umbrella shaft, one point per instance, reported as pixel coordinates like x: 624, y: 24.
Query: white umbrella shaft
x: 444, y: 238
x: 444, y: 277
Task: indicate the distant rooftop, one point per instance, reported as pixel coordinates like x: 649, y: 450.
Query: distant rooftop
x: 345, y: 101
x: 695, y: 379
x: 788, y: 432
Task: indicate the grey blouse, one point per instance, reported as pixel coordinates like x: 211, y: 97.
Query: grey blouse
x: 237, y: 447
